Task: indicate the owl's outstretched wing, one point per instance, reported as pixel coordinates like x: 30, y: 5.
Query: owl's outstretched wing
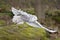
x: 33, y: 24
x: 19, y: 12
x: 15, y: 11
x: 52, y: 31
x: 38, y: 25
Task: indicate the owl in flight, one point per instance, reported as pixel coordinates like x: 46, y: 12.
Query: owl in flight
x: 20, y: 17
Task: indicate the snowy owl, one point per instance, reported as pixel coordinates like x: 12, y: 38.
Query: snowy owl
x: 20, y: 17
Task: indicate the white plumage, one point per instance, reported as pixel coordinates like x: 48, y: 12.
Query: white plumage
x: 20, y: 17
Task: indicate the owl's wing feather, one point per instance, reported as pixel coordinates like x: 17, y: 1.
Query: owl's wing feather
x: 33, y: 24
x: 15, y: 11
x: 52, y: 31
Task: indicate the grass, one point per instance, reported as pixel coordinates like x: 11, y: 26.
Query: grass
x: 2, y: 22
x: 22, y: 32
x: 8, y: 14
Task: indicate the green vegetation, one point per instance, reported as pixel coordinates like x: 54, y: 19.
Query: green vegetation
x: 57, y: 38
x: 55, y: 15
x: 30, y: 10
x: 2, y: 22
x: 10, y: 14
x: 22, y: 32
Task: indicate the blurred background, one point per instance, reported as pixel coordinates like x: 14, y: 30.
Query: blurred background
x: 47, y: 11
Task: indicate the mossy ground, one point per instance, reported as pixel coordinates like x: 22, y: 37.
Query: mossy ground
x: 22, y: 32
